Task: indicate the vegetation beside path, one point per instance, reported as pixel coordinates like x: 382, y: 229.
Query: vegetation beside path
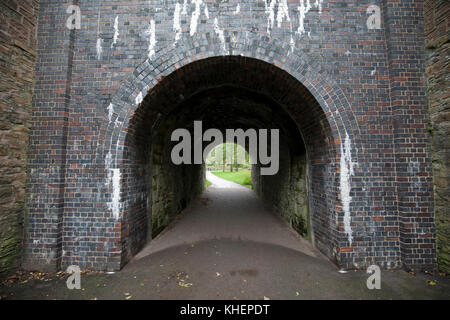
x: 242, y: 177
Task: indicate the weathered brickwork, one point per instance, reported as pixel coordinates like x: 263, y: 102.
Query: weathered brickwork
x: 287, y: 191
x: 437, y: 32
x: 356, y: 95
x: 17, y: 56
x: 406, y: 58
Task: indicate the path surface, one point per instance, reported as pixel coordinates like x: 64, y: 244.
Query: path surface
x: 228, y: 245
x: 227, y: 210
x: 217, y: 182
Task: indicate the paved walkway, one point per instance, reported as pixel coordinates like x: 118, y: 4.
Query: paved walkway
x: 217, y: 182
x: 228, y: 245
x: 227, y: 210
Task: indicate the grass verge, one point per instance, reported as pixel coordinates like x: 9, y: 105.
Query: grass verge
x: 242, y: 177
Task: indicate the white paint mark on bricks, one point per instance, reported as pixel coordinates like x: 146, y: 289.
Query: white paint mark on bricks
x: 195, y: 16
x: 238, y: 9
x: 113, y: 179
x: 292, y: 44
x: 99, y: 44
x: 319, y: 5
x: 116, y: 31
x: 108, y: 160
x: 219, y: 33
x: 270, y: 11
x: 346, y: 167
x: 291, y: 41
x: 177, y: 22
x: 110, y: 111
x: 139, y: 98
x: 303, y: 10
x: 152, y: 40
x: 99, y: 48
x: 115, y: 205
x: 283, y: 12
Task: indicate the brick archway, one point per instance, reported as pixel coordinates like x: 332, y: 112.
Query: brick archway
x: 127, y: 109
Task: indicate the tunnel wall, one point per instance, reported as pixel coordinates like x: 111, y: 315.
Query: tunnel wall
x: 173, y: 187
x: 172, y: 190
x: 287, y: 191
x: 87, y: 183
x: 18, y: 21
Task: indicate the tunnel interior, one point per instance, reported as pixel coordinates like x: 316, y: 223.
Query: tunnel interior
x: 227, y: 93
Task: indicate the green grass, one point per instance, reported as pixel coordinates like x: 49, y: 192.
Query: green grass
x: 242, y: 177
x: 207, y: 183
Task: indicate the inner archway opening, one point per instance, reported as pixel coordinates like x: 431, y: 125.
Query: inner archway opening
x: 231, y: 162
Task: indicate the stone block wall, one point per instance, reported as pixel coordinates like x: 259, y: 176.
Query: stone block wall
x: 18, y: 20
x: 437, y: 41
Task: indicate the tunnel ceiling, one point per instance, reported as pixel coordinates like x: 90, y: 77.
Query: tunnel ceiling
x: 229, y: 107
x: 234, y: 92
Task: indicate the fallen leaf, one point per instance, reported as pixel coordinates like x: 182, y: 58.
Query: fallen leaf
x: 183, y: 284
x: 266, y: 298
x: 432, y: 283
x: 128, y: 298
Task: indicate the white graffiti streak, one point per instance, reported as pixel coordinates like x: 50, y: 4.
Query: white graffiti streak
x: 152, y: 41
x: 346, y: 167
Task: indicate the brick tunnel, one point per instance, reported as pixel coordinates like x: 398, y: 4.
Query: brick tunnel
x: 223, y: 93
x: 355, y: 174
